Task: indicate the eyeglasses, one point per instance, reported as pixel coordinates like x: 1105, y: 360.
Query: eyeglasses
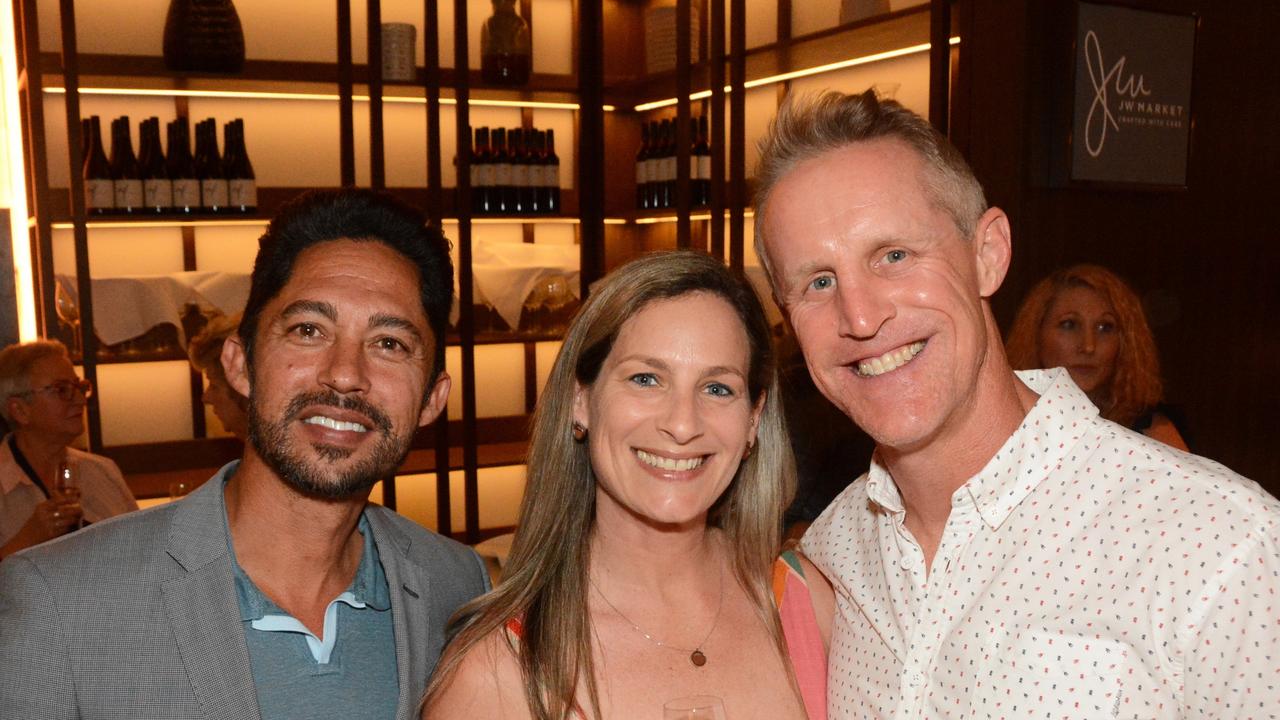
x: 64, y: 390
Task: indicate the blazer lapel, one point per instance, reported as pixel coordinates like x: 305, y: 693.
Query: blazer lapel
x: 415, y: 634
x: 202, y: 607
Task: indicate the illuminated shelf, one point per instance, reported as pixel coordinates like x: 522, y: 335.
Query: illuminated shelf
x: 270, y: 199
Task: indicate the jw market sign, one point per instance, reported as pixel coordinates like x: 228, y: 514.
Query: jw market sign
x: 1131, y: 119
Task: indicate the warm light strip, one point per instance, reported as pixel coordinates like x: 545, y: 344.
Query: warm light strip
x: 674, y: 218
x: 772, y: 79
x: 175, y: 223
x: 327, y: 97
x: 16, y: 200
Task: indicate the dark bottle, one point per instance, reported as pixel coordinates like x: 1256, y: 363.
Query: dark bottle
x: 502, y: 190
x: 84, y: 140
x: 642, y: 168
x: 157, y: 189
x: 505, y: 49
x: 667, y: 163
x: 182, y: 169
x: 518, y: 140
x: 242, y: 186
x: 213, y: 184
x: 700, y: 166
x: 99, y: 188
x: 124, y: 168
x: 551, y: 175
x: 536, y: 142
x: 482, y: 174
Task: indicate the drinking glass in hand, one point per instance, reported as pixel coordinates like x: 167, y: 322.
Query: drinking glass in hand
x: 694, y: 707
x: 66, y: 487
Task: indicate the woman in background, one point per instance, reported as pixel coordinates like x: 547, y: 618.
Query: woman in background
x: 641, y: 572
x: 1086, y: 319
x: 205, y: 351
x: 48, y: 489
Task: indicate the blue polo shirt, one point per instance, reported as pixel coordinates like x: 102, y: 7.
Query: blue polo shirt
x: 350, y: 673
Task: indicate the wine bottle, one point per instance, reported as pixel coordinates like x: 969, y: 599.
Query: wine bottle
x: 642, y: 167
x: 502, y: 203
x: 666, y: 193
x: 124, y: 168
x: 213, y: 184
x: 551, y: 175
x: 242, y: 185
x: 182, y: 169
x: 84, y: 141
x: 157, y: 188
x: 99, y: 188
x: 520, y: 179
x: 700, y: 165
x: 537, y: 141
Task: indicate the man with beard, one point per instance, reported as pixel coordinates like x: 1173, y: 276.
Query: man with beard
x: 274, y: 590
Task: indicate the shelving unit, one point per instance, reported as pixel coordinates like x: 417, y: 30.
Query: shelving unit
x: 607, y: 229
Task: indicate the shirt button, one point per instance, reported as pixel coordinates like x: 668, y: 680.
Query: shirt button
x: 906, y: 562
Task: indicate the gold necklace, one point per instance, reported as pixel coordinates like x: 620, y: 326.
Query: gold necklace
x: 696, y: 656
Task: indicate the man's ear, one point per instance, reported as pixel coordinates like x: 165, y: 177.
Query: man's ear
x: 992, y: 250
x: 18, y: 411
x: 437, y: 399
x: 235, y: 365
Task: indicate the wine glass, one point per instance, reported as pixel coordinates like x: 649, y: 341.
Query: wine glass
x: 532, y: 321
x: 694, y: 707
x: 557, y: 289
x: 68, y: 312
x: 66, y: 487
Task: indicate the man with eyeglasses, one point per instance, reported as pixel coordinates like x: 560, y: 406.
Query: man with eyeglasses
x: 47, y: 488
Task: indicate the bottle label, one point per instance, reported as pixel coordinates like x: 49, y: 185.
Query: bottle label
x: 651, y: 170
x: 668, y: 168
x: 158, y: 193
x: 128, y: 194
x: 186, y: 194
x: 502, y: 174
x: 214, y: 193
x: 552, y: 176
x: 474, y: 174
x: 488, y: 176
x: 520, y: 175
x: 537, y: 176
x: 704, y: 168
x: 243, y: 193
x: 642, y: 172
x: 99, y: 194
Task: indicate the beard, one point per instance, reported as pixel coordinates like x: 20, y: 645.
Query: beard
x: 308, y: 476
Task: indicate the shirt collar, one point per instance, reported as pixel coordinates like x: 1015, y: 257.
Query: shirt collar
x: 368, y: 587
x: 1047, y: 434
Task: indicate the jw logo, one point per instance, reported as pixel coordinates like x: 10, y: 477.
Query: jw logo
x: 1128, y: 89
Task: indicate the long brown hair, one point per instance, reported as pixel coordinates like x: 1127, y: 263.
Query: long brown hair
x: 545, y: 580
x: 1135, y: 385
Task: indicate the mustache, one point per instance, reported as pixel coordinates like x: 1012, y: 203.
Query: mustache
x: 333, y: 399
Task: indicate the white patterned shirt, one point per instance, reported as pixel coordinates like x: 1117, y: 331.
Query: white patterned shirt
x: 1086, y: 572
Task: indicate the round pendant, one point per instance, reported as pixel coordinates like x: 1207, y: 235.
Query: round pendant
x: 697, y: 658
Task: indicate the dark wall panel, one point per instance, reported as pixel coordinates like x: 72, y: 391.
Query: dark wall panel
x: 1206, y: 260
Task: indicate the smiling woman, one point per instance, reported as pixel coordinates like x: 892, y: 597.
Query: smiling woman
x: 658, y: 471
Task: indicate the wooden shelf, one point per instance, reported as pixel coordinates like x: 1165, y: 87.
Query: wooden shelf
x: 270, y: 199
x: 148, y: 72
x: 884, y: 33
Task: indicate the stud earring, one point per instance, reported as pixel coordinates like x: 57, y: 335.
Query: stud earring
x: 746, y: 452
x: 579, y: 431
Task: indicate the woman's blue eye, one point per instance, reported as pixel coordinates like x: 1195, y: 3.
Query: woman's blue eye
x: 1106, y: 327
x: 720, y: 390
x: 1067, y: 324
x: 644, y: 379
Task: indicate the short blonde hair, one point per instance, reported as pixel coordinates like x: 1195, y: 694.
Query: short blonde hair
x: 808, y: 126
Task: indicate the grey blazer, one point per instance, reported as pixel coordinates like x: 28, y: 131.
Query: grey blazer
x: 136, y: 617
